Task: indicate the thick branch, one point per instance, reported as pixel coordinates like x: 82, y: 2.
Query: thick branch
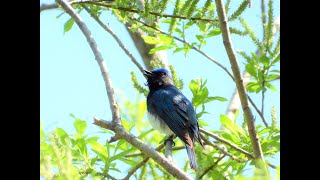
x: 133, y: 59
x: 103, y: 67
x: 238, y: 80
x: 141, y: 154
x: 148, y: 151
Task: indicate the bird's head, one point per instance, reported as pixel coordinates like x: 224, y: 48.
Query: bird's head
x: 158, y: 77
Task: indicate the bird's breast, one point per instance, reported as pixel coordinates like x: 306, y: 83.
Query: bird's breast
x: 158, y: 124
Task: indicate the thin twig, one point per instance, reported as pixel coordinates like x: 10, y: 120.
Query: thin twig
x: 52, y: 6
x: 211, y: 167
x: 227, y: 143
x: 103, y: 67
x: 222, y: 150
x: 133, y: 59
x: 257, y: 151
x: 145, y: 160
x: 258, y: 111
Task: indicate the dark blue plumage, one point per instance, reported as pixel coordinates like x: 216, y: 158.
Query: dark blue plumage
x: 171, y: 112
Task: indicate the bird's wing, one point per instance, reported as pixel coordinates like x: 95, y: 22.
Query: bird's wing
x: 177, y: 112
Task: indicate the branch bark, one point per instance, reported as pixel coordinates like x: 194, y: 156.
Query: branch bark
x: 148, y: 151
x: 102, y: 65
x: 257, y: 151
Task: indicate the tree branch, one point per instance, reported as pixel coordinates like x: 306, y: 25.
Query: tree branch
x: 222, y: 150
x: 148, y: 151
x: 227, y: 143
x: 133, y: 59
x: 103, y: 67
x: 211, y: 167
x: 48, y: 7
x: 53, y: 6
x: 257, y: 151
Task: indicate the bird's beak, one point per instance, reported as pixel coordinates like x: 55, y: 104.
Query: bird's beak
x: 148, y: 73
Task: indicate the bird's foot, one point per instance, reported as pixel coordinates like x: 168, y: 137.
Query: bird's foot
x: 170, y: 139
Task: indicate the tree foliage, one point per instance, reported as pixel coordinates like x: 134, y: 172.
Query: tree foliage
x: 80, y: 155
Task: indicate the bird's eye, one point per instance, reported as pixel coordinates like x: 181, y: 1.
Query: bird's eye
x: 163, y: 74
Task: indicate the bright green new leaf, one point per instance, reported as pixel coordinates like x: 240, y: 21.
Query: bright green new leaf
x: 228, y: 124
x: 68, y: 25
x: 218, y: 98
x: 251, y: 70
x: 271, y: 77
x: 199, y: 37
x: 62, y: 134
x: 202, y: 123
x: 100, y: 150
x: 128, y: 161
x: 213, y: 32
x: 160, y: 48
x: 252, y: 87
x: 151, y: 40
x: 271, y: 87
x: 194, y: 87
x: 165, y: 39
x: 202, y: 27
x: 265, y: 60
x: 122, y: 154
x: 80, y: 126
x: 92, y: 139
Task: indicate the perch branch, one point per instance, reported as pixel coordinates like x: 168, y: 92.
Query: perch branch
x: 148, y: 151
x: 257, y: 151
x: 222, y: 150
x: 226, y: 142
x: 141, y: 154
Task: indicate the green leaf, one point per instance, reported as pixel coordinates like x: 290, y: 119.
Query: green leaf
x: 151, y: 40
x: 228, y: 124
x: 252, y: 86
x: 122, y: 154
x: 265, y: 60
x: 165, y: 39
x: 160, y: 48
x: 202, y: 123
x: 194, y: 87
x: 213, y: 32
x: 128, y: 161
x: 251, y: 70
x: 80, y: 126
x: 100, y: 150
x: 271, y: 87
x: 62, y: 134
x: 68, y: 25
x: 126, y: 125
x: 92, y: 139
x: 199, y: 37
x: 218, y: 98
x: 271, y: 77
x: 82, y: 146
x: 202, y: 27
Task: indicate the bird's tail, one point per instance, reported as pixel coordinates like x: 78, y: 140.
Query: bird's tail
x: 192, y: 157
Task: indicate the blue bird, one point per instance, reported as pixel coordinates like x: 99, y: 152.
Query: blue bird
x: 170, y: 112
